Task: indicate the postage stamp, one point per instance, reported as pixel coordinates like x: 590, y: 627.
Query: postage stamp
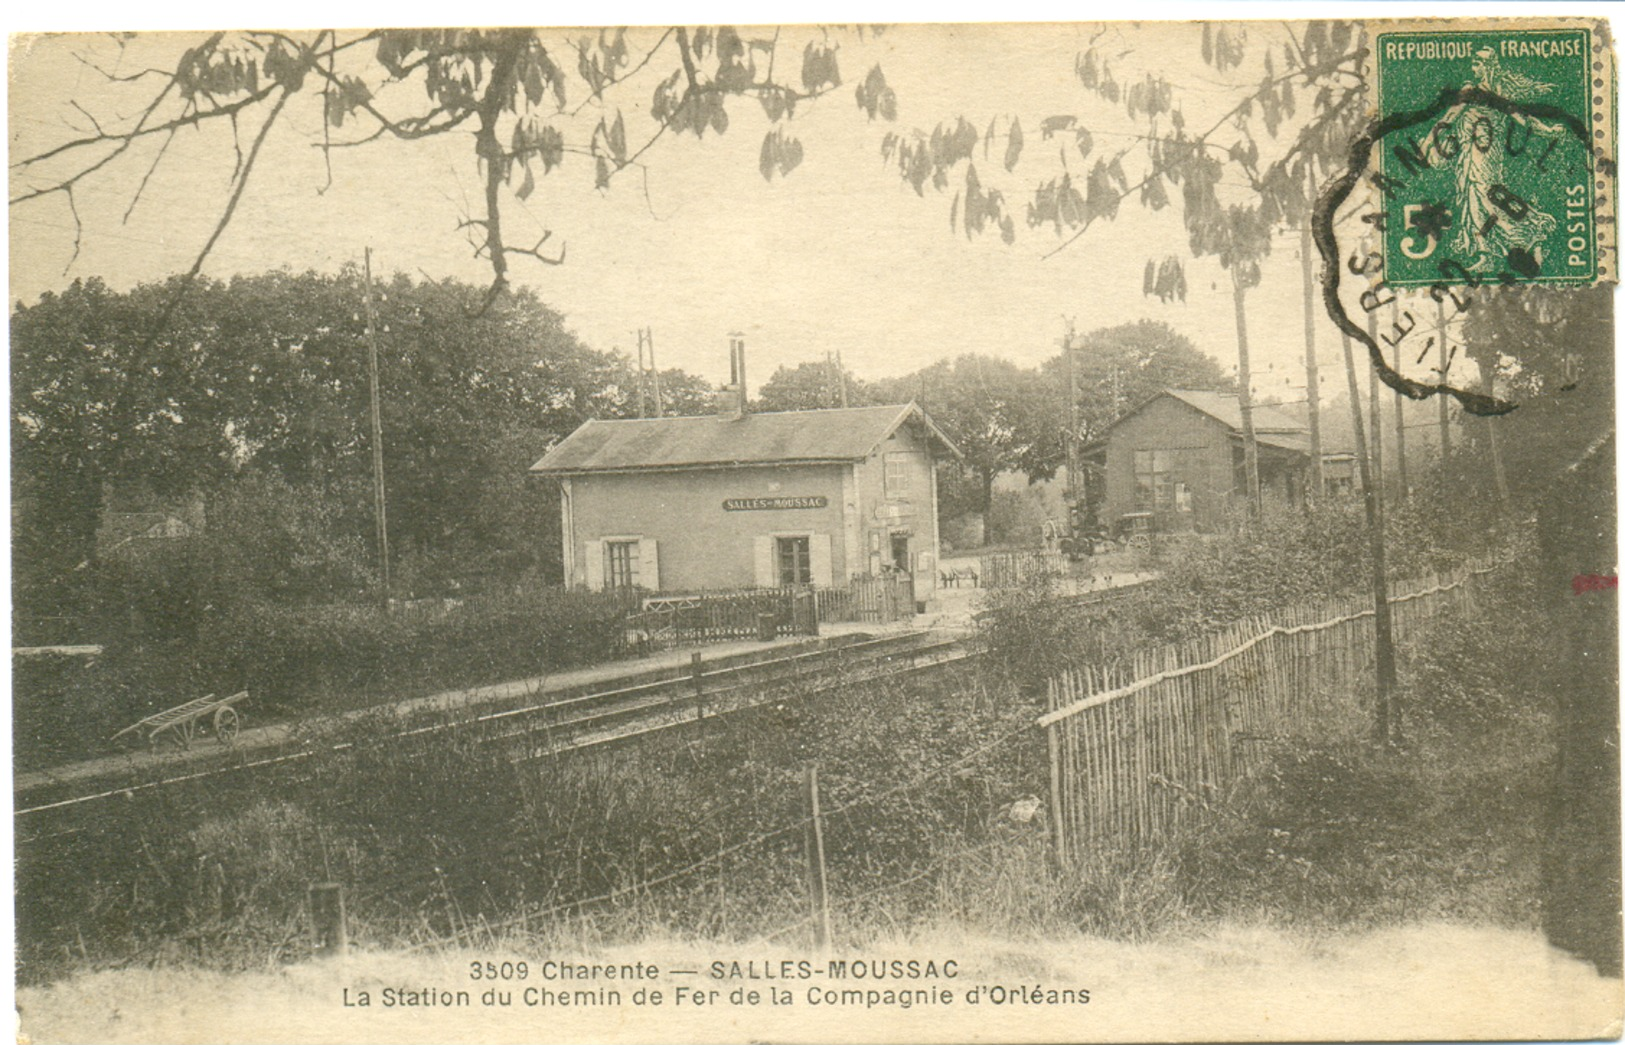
x: 1499, y: 163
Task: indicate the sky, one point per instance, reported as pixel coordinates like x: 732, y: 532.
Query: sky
x: 839, y: 256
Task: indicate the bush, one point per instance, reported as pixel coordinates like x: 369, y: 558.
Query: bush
x: 334, y: 657
x: 348, y: 655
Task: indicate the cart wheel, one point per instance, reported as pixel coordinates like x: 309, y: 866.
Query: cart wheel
x: 182, y: 734
x: 226, y: 725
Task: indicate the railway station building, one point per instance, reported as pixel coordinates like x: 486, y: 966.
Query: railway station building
x: 750, y: 500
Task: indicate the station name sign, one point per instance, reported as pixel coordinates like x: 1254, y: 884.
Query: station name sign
x: 772, y: 504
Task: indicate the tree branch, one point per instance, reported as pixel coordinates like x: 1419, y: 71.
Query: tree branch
x: 225, y: 217
x: 127, y: 138
x: 598, y: 92
x: 1235, y: 110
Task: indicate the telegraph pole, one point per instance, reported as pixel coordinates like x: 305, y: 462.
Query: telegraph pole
x: 1399, y: 434
x: 379, y: 510
x: 1444, y: 400
x: 1311, y: 368
x: 1387, y: 675
x: 1073, y: 479
x: 646, y: 335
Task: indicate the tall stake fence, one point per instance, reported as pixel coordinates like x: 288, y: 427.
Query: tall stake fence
x: 1139, y: 748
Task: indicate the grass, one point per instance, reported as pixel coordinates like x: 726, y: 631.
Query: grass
x: 449, y: 839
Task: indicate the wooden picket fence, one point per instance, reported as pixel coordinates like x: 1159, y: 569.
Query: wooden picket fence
x: 675, y: 620
x: 869, y: 600
x: 1140, y: 748
x: 667, y: 620
x: 1022, y: 569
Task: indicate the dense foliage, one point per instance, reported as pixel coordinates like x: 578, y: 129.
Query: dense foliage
x: 253, y: 398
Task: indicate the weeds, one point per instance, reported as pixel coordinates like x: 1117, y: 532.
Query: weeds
x: 461, y: 836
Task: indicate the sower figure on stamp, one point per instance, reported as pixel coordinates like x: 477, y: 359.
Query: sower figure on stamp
x: 1474, y: 138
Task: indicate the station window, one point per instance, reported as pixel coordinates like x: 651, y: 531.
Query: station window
x: 795, y: 561
x: 1155, y: 488
x: 621, y: 564
x: 899, y: 475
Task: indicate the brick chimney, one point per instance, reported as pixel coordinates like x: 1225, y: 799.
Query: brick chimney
x: 732, y: 397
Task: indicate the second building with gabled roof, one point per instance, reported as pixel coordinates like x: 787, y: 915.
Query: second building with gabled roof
x: 1175, y: 462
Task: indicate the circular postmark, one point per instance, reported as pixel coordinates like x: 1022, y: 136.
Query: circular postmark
x: 1486, y: 166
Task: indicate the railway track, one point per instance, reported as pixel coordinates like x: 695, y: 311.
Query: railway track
x: 565, y: 722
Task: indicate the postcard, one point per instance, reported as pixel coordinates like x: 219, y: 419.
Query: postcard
x: 931, y: 532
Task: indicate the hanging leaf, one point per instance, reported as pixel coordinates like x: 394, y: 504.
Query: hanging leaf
x: 1012, y: 151
x: 768, y: 161
x: 617, y: 140
x: 780, y: 154
x: 1086, y: 143
x: 773, y: 104
x: 888, y: 104
x: 819, y: 68
x: 1102, y: 200
x: 789, y: 155
x: 527, y: 186
x: 1054, y: 124
x: 551, y: 147
x: 602, y: 181
x: 1150, y: 282
x: 1153, y: 194
x: 875, y: 98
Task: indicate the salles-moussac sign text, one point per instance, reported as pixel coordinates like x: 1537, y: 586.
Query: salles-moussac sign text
x: 772, y: 504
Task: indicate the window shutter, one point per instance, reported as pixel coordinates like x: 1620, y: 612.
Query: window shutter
x: 766, y: 575
x: 594, y: 554
x: 818, y: 556
x: 649, y: 563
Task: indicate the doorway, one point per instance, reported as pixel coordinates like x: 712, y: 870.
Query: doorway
x: 899, y: 553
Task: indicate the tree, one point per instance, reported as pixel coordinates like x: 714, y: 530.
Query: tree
x: 266, y: 376
x: 813, y: 386
x: 1171, y: 160
x: 528, y: 99
x: 997, y: 413
x: 1120, y: 367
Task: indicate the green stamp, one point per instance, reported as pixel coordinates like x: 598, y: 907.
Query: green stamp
x: 1490, y: 161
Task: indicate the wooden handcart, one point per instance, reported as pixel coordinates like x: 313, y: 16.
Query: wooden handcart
x: 182, y: 722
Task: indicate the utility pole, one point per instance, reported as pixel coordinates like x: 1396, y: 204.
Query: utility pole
x: 1387, y: 676
x: 646, y: 335
x: 1072, y: 461
x: 1444, y: 400
x: 1249, y: 436
x: 1399, y: 430
x: 377, y: 429
x: 1399, y: 450
x: 1311, y: 367
x: 1377, y: 475
x: 840, y: 375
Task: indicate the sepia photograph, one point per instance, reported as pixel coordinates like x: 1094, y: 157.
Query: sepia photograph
x: 1000, y: 531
